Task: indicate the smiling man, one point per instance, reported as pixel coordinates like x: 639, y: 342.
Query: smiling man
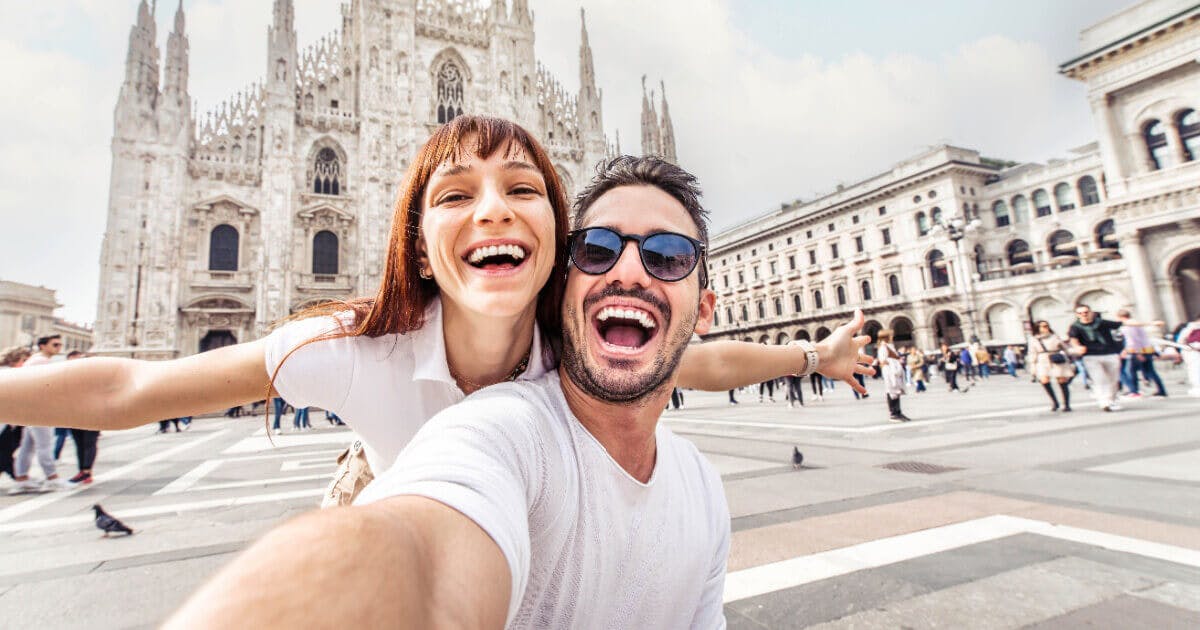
x: 559, y: 502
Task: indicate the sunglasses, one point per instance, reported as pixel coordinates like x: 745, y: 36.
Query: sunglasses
x: 667, y: 256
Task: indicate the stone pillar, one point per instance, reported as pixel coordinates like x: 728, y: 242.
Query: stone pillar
x: 1141, y: 277
x: 1109, y: 138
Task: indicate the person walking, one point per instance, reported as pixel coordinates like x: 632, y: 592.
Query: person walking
x: 916, y: 367
x: 793, y: 386
x: 950, y: 368
x: 893, y: 374
x: 966, y: 364
x: 1048, y: 356
x: 1099, y: 341
x: 280, y: 406
x: 769, y: 386
x: 1010, y: 361
x: 983, y: 359
x: 1138, y: 355
x: 300, y: 420
x: 10, y: 435
x: 732, y: 399
x: 39, y: 440
x: 1189, y: 336
x: 817, y: 382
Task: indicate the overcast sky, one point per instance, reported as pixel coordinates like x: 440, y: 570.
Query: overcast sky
x: 772, y: 100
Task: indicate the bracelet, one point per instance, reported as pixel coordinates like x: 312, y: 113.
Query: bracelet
x: 811, y: 353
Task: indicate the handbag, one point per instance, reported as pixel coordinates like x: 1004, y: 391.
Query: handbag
x: 352, y: 475
x: 1058, y: 357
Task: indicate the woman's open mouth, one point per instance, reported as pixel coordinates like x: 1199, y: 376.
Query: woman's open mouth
x: 625, y: 328
x: 497, y: 258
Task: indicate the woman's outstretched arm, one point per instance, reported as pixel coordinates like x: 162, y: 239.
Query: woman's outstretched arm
x: 105, y: 393
x: 722, y: 365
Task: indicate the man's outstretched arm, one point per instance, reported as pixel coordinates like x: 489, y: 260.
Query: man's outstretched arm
x: 402, y: 562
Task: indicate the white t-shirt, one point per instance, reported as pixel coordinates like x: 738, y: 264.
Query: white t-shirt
x: 588, y: 545
x: 384, y: 388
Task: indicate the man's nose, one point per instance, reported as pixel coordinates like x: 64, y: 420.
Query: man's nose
x: 492, y: 207
x: 628, y: 270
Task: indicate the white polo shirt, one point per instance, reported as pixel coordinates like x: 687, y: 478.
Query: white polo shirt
x: 587, y: 545
x: 385, y: 388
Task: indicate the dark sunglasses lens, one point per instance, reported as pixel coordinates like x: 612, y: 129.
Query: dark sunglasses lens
x: 669, y: 257
x: 595, y: 251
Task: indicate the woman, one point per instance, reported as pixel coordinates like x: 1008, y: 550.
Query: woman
x: 893, y: 374
x: 10, y: 435
x: 479, y: 228
x: 950, y: 368
x: 1047, y: 354
x: 916, y: 368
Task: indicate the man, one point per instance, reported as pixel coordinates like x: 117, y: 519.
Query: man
x: 38, y: 439
x: 559, y: 502
x: 1138, y: 356
x: 1010, y: 361
x: 85, y: 441
x: 1100, y: 342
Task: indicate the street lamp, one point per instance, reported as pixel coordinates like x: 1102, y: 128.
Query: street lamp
x: 957, y: 228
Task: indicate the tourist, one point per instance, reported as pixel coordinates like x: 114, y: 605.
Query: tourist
x: 1189, y: 337
x: 300, y: 420
x: 983, y: 358
x: 1138, y: 356
x: 546, y: 502
x: 893, y: 374
x: 795, y: 390
x: 464, y: 302
x: 1010, y: 361
x: 916, y: 367
x: 732, y: 399
x: 86, y: 441
x: 949, y: 364
x: 769, y: 386
x: 817, y: 382
x: 1050, y: 360
x: 35, y: 438
x: 10, y: 434
x: 966, y: 363
x: 1094, y: 338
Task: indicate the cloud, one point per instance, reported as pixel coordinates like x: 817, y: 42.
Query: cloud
x: 757, y: 127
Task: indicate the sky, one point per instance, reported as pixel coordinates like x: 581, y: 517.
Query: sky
x: 772, y: 100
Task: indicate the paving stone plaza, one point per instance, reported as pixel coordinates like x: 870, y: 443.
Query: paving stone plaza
x: 986, y: 511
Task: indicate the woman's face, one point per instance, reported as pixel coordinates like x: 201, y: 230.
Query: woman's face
x: 1043, y: 328
x: 487, y: 232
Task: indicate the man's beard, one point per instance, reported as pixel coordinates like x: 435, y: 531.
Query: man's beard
x: 617, y: 382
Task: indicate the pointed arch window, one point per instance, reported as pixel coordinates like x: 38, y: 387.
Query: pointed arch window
x: 939, y: 275
x: 1000, y: 210
x: 325, y: 253
x: 449, y: 92
x: 1188, y: 123
x: 327, y: 173
x: 1156, y: 144
x: 1088, y: 192
x: 223, y: 248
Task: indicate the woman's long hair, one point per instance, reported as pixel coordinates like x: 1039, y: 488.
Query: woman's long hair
x: 403, y: 296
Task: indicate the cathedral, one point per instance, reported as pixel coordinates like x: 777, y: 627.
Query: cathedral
x: 222, y: 223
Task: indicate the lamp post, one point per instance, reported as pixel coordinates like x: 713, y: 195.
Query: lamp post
x: 957, y: 228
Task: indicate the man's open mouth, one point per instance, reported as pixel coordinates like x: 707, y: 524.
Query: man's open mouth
x: 625, y: 326
x: 496, y: 257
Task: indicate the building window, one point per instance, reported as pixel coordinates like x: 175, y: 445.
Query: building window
x: 726, y: 279
x: 917, y: 199
x: 1062, y: 196
x: 922, y: 224
x: 449, y: 92
x: 753, y: 251
x: 745, y: 314
x: 1188, y: 123
x: 1106, y: 235
x: 939, y: 276
x: 932, y: 194
x: 796, y: 303
x: 1020, y: 206
x: 789, y: 240
x: 223, y: 248
x: 1000, y: 210
x: 778, y: 306
x: 716, y: 320
x: 1062, y: 246
x: 739, y: 257
x: 858, y: 244
x: 1088, y: 191
x: 812, y: 256
x: 832, y: 227
x: 770, y: 247
x: 935, y: 216
x: 841, y: 295
x: 887, y: 235
x: 791, y: 263
x: 729, y: 315
x: 762, y: 312
x: 774, y: 271
x: 865, y: 287
x: 755, y: 270
x: 1018, y: 253
x: 833, y: 251
x: 327, y: 173
x: 808, y: 234
x: 894, y: 285
x: 1041, y: 203
x: 325, y: 253
x: 1156, y: 144
x: 817, y: 302
x: 882, y: 210
x: 741, y: 278
x: 854, y: 219
x: 980, y: 261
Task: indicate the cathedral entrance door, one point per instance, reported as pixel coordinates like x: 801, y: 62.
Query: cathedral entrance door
x: 217, y: 339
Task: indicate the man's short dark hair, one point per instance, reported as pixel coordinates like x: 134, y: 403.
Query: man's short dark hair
x: 47, y: 339
x: 74, y: 353
x: 627, y: 170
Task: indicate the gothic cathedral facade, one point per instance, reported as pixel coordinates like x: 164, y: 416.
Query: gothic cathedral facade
x: 220, y: 225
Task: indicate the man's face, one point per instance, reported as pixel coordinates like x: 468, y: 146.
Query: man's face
x: 609, y: 351
x: 1084, y: 314
x: 52, y: 347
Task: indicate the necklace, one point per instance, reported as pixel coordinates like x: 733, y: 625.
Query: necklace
x: 512, y: 375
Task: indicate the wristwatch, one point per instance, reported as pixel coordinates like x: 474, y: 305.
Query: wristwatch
x: 811, y: 353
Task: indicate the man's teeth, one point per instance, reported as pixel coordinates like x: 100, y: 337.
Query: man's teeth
x: 640, y: 317
x: 516, y: 251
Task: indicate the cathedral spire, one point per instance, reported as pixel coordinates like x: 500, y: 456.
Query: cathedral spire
x: 666, y: 129
x: 140, y: 89
x: 589, y: 96
x: 651, y: 137
x: 281, y: 49
x: 521, y: 13
x: 175, y: 83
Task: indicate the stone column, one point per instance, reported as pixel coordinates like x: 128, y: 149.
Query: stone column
x: 1141, y: 277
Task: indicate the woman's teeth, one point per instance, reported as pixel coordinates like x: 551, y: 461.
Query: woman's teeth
x: 515, y: 251
x: 641, y: 317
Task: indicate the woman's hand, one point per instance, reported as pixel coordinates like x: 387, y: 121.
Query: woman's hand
x: 841, y: 355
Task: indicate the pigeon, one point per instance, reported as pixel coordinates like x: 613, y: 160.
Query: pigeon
x: 109, y: 524
x: 797, y: 457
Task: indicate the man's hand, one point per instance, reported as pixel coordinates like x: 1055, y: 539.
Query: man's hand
x: 841, y: 355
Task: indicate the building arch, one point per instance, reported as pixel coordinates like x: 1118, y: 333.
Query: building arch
x: 1103, y: 301
x: 327, y: 167
x: 922, y: 224
x: 1184, y: 272
x: 1020, y: 257
x: 1089, y: 192
x: 1064, y: 197
x: 1000, y: 213
x: 765, y: 340
x: 822, y: 333
x: 802, y: 334
x: 1041, y: 203
x: 782, y: 339
x: 1053, y: 310
x: 223, y: 248
x: 1062, y: 248
x: 325, y: 253
x: 902, y: 330
x: 449, y: 76
x: 1187, y: 125
x: 939, y: 275
x: 1003, y: 322
x: 1154, y: 135
x: 947, y: 327
x: 894, y: 288
x: 1020, y: 208
x: 1105, y: 235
